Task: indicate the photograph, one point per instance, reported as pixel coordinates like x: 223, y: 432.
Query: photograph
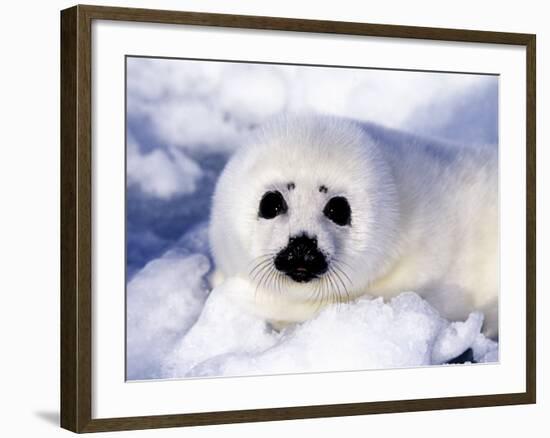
x: 274, y: 219
x: 298, y: 218
x: 266, y: 218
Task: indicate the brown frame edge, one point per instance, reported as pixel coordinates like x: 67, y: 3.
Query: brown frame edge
x: 76, y: 238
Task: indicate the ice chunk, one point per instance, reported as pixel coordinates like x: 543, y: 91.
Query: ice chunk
x: 222, y: 328
x: 365, y: 334
x: 485, y: 349
x: 456, y: 338
x: 163, y: 300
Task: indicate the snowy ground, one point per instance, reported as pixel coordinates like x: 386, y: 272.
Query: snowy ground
x: 185, y: 120
x: 192, y: 332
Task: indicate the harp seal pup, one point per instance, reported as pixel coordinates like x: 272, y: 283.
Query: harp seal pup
x: 316, y: 210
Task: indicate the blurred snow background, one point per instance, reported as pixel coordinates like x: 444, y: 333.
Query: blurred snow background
x: 184, y: 120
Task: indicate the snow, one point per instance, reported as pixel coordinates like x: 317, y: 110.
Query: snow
x: 163, y: 300
x: 189, y: 335
x: 184, y: 120
x: 197, y: 105
x: 160, y: 173
x: 243, y: 95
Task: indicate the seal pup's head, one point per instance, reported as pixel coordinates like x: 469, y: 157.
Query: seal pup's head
x: 306, y: 211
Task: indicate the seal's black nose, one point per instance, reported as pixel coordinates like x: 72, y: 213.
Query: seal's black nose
x: 301, y: 260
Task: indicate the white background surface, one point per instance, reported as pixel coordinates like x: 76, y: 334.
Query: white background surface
x: 29, y: 181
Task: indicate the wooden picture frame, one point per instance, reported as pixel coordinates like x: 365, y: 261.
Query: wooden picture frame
x: 76, y: 217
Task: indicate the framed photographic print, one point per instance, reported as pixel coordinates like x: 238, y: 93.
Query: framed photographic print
x: 270, y: 218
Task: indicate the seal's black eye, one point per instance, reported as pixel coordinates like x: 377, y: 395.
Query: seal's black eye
x: 272, y: 204
x: 338, y: 211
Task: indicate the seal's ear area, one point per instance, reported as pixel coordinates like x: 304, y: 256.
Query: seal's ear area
x: 338, y: 211
x: 272, y: 204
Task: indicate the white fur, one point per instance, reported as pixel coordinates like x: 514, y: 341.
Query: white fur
x: 424, y: 218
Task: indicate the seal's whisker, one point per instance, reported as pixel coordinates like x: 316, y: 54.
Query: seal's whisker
x: 259, y: 270
x: 342, y: 262
x: 342, y: 271
x: 332, y: 286
x: 333, y: 292
x: 262, y: 256
x: 259, y: 265
x: 277, y: 282
x: 322, y: 289
x: 268, y: 279
x: 265, y: 256
x: 265, y: 276
x: 265, y: 271
x: 338, y: 279
x: 256, y: 288
x: 282, y: 282
x: 316, y: 291
x: 337, y: 294
x: 313, y: 292
x: 337, y: 275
